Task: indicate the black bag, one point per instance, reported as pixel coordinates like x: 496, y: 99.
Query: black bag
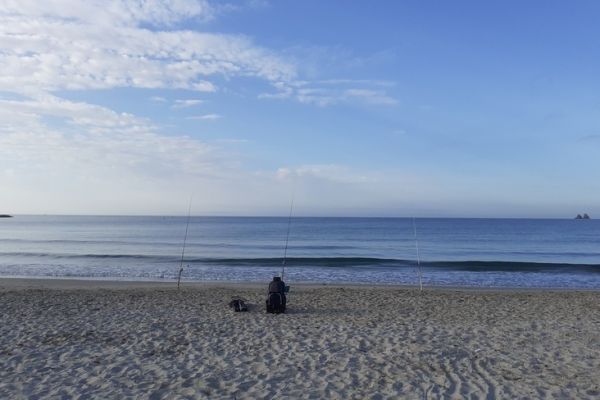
x: 238, y: 305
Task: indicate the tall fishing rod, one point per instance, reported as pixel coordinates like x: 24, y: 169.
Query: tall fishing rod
x: 287, y: 239
x: 418, y: 256
x: 187, y: 225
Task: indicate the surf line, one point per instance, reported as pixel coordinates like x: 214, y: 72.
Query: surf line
x: 187, y: 225
x: 418, y: 256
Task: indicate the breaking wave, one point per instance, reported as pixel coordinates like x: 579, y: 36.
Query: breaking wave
x: 326, y: 262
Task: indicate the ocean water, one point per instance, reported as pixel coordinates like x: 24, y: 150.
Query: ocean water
x: 453, y: 252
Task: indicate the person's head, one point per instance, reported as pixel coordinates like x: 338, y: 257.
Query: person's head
x: 276, y: 279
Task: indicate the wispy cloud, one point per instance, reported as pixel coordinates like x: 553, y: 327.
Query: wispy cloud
x: 376, y: 97
x: 123, y: 13
x: 332, y: 92
x: 367, y: 82
x: 96, y: 45
x: 205, y: 117
x: 56, y: 45
x: 187, y: 103
x: 329, y: 172
x: 95, y: 138
x: 232, y: 141
x: 60, y: 45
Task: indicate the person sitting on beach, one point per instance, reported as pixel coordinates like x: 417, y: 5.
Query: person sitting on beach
x: 277, y: 286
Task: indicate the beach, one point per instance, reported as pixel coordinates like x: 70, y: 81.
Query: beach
x: 102, y: 339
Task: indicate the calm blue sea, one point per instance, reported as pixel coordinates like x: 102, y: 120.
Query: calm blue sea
x: 453, y: 252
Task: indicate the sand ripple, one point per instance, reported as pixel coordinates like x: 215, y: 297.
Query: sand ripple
x: 336, y: 343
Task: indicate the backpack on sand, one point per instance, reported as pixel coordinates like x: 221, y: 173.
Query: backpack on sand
x: 238, y: 305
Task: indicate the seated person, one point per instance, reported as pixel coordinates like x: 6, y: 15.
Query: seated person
x: 278, y: 286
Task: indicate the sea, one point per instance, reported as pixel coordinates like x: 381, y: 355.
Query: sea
x: 446, y: 252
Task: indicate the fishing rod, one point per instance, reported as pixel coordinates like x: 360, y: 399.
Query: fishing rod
x: 287, y: 239
x: 187, y: 225
x: 418, y: 256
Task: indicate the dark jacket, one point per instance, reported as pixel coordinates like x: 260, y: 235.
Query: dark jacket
x: 277, y: 286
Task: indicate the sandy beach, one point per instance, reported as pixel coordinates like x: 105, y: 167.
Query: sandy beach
x: 94, y: 339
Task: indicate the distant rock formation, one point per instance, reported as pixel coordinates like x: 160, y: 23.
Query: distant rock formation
x: 585, y: 216
x: 5, y: 216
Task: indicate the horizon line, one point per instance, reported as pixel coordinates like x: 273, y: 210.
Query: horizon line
x: 274, y: 216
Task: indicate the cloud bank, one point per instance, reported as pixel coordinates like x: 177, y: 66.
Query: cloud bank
x: 102, y: 45
x: 57, y: 154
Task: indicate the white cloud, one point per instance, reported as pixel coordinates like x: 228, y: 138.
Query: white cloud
x: 369, y: 82
x: 376, y: 97
x: 232, y: 141
x: 58, y: 151
x: 332, y: 92
x: 95, y: 139
x: 61, y: 44
x: 203, y: 86
x: 50, y: 146
x: 205, y: 117
x: 98, y: 45
x: 115, y: 12
x: 283, y: 173
x: 187, y: 103
x: 329, y: 172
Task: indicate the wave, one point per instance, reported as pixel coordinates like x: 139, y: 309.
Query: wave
x: 513, y: 266
x: 88, y: 256
x: 327, y: 262
x: 370, y: 262
x: 267, y: 261
x: 174, y: 243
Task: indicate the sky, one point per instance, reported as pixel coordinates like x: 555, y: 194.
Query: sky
x: 351, y: 108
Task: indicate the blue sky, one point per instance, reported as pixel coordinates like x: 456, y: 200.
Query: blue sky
x: 486, y: 109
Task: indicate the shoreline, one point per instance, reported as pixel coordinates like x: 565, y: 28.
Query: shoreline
x: 20, y: 282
